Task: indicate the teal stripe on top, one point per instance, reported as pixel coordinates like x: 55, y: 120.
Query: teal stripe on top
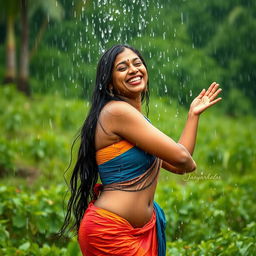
x: 126, y: 166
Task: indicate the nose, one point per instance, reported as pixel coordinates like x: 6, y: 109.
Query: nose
x: 133, y: 69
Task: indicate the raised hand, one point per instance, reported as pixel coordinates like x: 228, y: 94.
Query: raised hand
x: 205, y: 99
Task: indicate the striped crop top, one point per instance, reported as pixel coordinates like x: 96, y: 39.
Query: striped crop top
x: 123, y: 166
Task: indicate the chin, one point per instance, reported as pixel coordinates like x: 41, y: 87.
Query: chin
x: 138, y: 90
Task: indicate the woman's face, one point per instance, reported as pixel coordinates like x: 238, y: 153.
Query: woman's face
x: 129, y: 77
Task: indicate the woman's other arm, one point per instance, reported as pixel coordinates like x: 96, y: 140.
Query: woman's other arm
x: 188, y: 137
x: 189, y: 133
x: 203, y: 101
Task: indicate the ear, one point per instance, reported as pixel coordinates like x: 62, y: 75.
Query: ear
x: 110, y: 85
x: 110, y: 88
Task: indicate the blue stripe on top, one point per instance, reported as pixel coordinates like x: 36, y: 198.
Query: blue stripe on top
x: 126, y: 166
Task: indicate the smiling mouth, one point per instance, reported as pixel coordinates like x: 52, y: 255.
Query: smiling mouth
x: 134, y: 80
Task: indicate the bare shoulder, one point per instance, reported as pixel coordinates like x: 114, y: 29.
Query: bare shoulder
x: 118, y: 109
x: 113, y: 115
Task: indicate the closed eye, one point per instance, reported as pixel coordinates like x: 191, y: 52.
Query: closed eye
x: 121, y: 68
x: 137, y: 64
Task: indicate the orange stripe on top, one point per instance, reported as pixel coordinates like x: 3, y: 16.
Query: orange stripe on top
x: 105, y: 154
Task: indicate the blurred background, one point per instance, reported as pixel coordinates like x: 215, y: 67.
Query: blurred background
x: 49, y: 51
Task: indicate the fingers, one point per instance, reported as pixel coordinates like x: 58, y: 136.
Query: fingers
x: 214, y: 101
x: 213, y: 96
x: 213, y: 91
x: 210, y: 88
x: 201, y: 94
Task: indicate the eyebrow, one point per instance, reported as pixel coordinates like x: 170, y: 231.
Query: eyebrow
x: 124, y: 62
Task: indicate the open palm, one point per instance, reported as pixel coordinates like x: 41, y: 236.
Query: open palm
x: 205, y: 99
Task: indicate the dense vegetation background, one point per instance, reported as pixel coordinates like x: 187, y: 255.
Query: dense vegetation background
x: 48, y: 56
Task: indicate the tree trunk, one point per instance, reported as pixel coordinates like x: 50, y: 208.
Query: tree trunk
x: 10, y: 73
x: 23, y: 84
x: 39, y: 37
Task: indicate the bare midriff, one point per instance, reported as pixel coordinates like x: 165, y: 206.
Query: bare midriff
x: 135, y: 207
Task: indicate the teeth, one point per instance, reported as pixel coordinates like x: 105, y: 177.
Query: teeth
x: 135, y: 79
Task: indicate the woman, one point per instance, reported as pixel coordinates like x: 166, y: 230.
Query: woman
x: 121, y: 145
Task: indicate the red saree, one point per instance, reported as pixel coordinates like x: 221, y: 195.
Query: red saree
x: 104, y: 233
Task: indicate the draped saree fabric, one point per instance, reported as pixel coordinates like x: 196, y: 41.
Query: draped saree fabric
x: 160, y: 226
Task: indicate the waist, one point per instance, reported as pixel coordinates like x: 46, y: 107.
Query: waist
x: 135, y: 207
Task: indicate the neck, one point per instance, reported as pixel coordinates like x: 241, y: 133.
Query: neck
x: 135, y: 102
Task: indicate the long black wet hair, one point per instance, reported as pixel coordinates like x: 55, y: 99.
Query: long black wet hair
x: 85, y: 173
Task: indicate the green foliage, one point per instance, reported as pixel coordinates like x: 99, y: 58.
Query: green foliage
x: 211, y: 202
x: 226, y: 243
x: 52, y: 8
x: 41, y: 132
x: 6, y: 155
x: 2, y: 59
x: 29, y: 222
x: 238, y: 29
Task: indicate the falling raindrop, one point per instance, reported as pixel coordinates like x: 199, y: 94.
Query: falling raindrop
x: 181, y: 17
x: 27, y: 222
x: 50, y: 122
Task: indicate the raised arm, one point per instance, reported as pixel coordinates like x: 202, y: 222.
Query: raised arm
x: 203, y: 101
x: 188, y: 137
x: 127, y: 122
